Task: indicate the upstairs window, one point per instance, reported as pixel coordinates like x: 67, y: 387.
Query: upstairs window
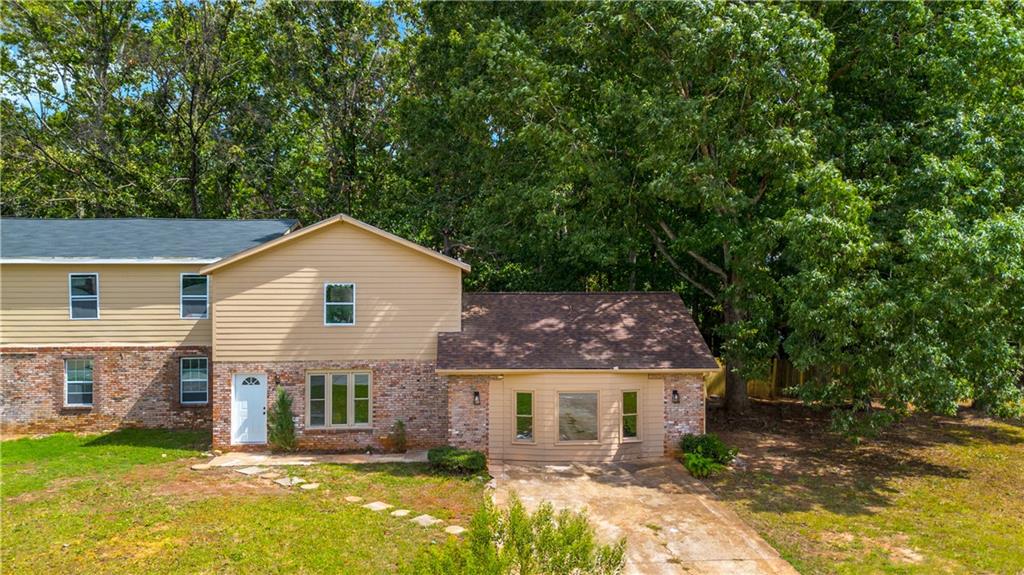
x: 195, y: 296
x: 84, y: 292
x: 339, y: 304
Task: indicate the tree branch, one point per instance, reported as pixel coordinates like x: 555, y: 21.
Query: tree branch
x: 675, y: 265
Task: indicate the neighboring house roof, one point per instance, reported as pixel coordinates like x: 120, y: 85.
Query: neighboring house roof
x: 337, y: 219
x: 132, y: 240
x: 574, y: 331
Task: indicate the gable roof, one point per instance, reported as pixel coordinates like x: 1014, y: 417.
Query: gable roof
x: 132, y: 240
x: 337, y: 219
x: 574, y: 331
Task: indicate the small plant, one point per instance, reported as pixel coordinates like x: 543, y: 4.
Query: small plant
x: 395, y: 441
x: 515, y: 541
x: 281, y: 432
x: 708, y: 445
x: 457, y: 461
x: 699, y: 466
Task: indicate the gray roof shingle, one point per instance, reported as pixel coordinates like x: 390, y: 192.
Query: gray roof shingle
x: 603, y: 330
x: 133, y: 238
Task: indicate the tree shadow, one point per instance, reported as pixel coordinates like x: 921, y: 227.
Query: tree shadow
x: 790, y: 462
x: 157, y: 438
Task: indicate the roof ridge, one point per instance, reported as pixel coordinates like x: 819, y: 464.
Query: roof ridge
x: 150, y: 219
x: 629, y: 292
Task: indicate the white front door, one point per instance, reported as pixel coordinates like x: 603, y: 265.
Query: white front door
x: 249, y: 408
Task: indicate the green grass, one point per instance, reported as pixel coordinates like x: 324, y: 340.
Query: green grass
x: 935, y: 495
x: 128, y: 503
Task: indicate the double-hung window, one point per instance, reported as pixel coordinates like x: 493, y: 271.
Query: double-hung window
x: 195, y: 296
x: 339, y: 304
x: 84, y: 296
x: 629, y: 415
x: 195, y: 381
x: 78, y: 382
x: 339, y: 399
x: 524, y: 416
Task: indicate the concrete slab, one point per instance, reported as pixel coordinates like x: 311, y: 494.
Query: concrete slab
x: 353, y: 499
x: 455, y: 530
x: 309, y: 486
x: 246, y: 459
x: 400, y: 512
x: 672, y: 522
x: 289, y: 481
x: 377, y: 506
x: 252, y: 470
x: 426, y: 520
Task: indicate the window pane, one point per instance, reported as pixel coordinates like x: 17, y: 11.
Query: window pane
x: 339, y: 313
x: 80, y: 399
x: 193, y: 285
x: 362, y: 378
x: 362, y: 407
x: 79, y: 369
x: 79, y: 387
x: 629, y: 402
x: 193, y: 386
x: 193, y: 307
x: 524, y: 428
x: 577, y: 416
x: 362, y: 389
x: 339, y: 399
x: 84, y: 309
x: 194, y: 397
x: 316, y: 387
x: 524, y: 404
x: 340, y: 293
x: 83, y: 285
x: 316, y: 411
x: 629, y: 426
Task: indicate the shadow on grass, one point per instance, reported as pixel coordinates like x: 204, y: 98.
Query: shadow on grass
x: 161, y: 438
x: 790, y: 462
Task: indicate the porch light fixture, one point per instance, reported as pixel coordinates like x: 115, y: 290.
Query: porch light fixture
x: 476, y: 398
x: 675, y: 396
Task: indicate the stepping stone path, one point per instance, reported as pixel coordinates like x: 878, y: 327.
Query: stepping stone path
x: 289, y: 481
x: 426, y: 520
x: 270, y: 475
x: 377, y: 506
x: 353, y: 499
x: 309, y: 486
x: 400, y: 512
x: 455, y: 529
x: 252, y: 470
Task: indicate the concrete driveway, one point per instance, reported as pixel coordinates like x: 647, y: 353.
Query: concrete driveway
x: 671, y: 522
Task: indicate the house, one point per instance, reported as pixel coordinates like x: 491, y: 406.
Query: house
x: 197, y: 323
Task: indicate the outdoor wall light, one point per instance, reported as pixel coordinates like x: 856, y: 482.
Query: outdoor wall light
x: 476, y: 398
x: 675, y: 396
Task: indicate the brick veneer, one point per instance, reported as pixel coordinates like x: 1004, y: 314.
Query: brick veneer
x: 132, y: 387
x: 684, y: 417
x: 468, y: 423
x: 406, y: 390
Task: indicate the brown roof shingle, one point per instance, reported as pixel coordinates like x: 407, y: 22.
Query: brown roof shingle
x: 601, y: 330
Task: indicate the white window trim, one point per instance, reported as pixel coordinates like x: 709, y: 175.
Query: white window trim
x: 351, y: 399
x: 72, y: 297
x: 516, y: 416
x: 182, y: 296
x: 66, y: 382
x: 181, y: 380
x: 623, y: 414
x: 558, y: 411
x: 353, y: 304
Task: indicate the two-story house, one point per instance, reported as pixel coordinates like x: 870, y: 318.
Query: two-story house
x: 172, y: 323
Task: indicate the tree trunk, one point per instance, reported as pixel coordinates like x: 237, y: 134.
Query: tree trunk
x: 737, y: 402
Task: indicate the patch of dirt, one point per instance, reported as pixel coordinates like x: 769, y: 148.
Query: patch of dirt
x: 55, y: 487
x: 177, y: 480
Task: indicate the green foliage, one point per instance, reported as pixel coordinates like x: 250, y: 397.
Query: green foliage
x: 518, y: 542
x: 700, y: 466
x: 281, y: 426
x: 457, y: 461
x: 396, y: 439
x: 709, y: 446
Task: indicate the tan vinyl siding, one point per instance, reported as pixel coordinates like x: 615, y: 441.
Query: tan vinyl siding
x: 546, y: 447
x: 270, y: 306
x: 139, y: 305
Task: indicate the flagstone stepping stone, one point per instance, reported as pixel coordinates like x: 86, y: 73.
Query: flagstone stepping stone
x: 353, y: 499
x: 201, y: 467
x: 309, y: 486
x: 455, y: 529
x: 400, y: 512
x: 426, y: 520
x: 270, y: 475
x: 377, y: 506
x: 254, y: 470
x: 289, y: 481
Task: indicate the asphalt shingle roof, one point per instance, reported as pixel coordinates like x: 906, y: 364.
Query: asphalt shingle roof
x: 650, y: 330
x: 133, y: 238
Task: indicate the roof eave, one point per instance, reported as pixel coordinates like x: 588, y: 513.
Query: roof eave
x: 527, y: 371
x: 108, y: 261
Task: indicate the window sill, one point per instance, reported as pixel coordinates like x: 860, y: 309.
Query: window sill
x: 632, y: 440
x: 338, y: 429
x: 580, y: 442
x: 79, y: 406
x: 193, y: 404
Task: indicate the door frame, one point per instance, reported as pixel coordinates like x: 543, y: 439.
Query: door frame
x: 266, y: 383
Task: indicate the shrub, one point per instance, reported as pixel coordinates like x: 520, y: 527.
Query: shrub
x: 708, y: 446
x: 460, y: 461
x: 699, y: 466
x: 395, y: 441
x: 518, y: 542
x: 281, y: 432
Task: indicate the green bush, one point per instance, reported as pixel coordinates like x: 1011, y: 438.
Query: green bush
x: 281, y: 426
x: 699, y: 466
x: 397, y: 441
x: 518, y: 542
x: 459, y: 461
x: 708, y: 446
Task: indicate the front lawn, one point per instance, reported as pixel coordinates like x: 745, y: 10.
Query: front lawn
x: 933, y: 495
x: 127, y: 502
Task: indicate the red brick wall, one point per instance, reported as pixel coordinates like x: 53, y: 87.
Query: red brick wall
x: 688, y: 415
x: 132, y: 387
x: 406, y: 390
x: 468, y: 423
